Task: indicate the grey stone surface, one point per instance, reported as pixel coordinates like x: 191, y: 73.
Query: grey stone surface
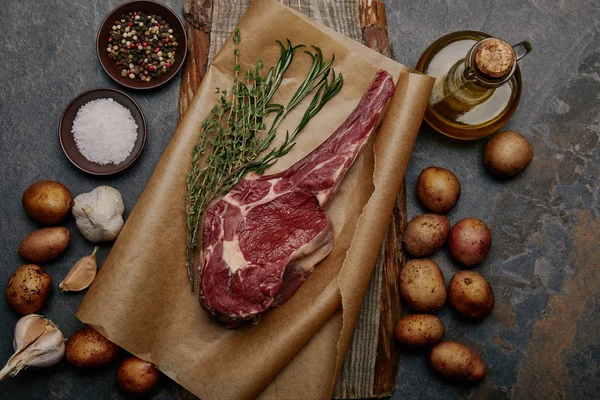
x: 541, y: 341
x: 48, y: 57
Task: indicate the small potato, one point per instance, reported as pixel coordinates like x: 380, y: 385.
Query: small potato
x: 28, y: 289
x: 45, y: 244
x: 470, y: 241
x: 457, y: 362
x: 137, y: 377
x: 422, y: 286
x: 438, y: 189
x: 507, y: 154
x: 419, y: 330
x: 88, y: 348
x: 425, y: 234
x: 471, y: 295
x: 47, y: 202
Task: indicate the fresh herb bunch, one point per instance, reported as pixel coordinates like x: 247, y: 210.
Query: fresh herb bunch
x: 234, y: 136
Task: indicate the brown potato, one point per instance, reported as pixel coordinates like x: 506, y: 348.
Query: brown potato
x: 47, y: 202
x: 457, y: 362
x: 419, y: 330
x: 45, y: 244
x: 425, y: 234
x: 28, y: 289
x: 422, y: 286
x: 471, y: 295
x: 470, y: 241
x: 507, y: 154
x: 438, y: 189
x: 88, y: 348
x: 137, y: 377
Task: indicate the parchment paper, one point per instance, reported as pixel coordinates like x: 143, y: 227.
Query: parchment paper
x: 141, y: 298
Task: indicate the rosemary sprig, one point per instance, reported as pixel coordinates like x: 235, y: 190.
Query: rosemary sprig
x: 235, y: 130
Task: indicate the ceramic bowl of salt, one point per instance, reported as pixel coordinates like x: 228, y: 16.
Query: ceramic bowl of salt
x: 102, y: 131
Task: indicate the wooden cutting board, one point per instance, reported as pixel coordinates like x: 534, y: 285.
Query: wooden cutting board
x: 371, y: 362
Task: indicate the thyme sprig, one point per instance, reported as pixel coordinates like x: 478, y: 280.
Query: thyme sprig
x: 235, y: 134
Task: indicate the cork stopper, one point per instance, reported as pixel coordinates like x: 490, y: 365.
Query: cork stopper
x: 494, y: 58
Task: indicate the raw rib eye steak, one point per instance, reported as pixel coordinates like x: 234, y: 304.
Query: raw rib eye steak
x: 264, y: 238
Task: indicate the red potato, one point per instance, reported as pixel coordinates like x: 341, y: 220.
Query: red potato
x: 470, y: 241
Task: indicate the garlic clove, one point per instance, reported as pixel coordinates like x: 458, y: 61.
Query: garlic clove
x: 28, y: 330
x: 46, y: 350
x: 81, y: 275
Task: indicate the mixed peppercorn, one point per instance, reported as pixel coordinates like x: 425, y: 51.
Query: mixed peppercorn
x: 142, y: 45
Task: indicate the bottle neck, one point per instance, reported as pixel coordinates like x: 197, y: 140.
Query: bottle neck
x: 462, y: 83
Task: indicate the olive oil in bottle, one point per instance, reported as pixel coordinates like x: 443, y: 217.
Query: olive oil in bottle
x: 478, y: 83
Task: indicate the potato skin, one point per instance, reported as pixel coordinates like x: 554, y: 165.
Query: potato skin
x: 507, y: 154
x: 457, y: 362
x: 87, y: 348
x: 422, y: 286
x: 28, y: 289
x: 438, y: 189
x: 419, y: 330
x: 470, y: 241
x: 137, y: 377
x: 47, y: 202
x: 45, y: 244
x: 425, y: 234
x: 471, y: 295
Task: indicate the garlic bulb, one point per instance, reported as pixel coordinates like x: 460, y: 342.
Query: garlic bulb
x: 81, y: 275
x: 38, y: 342
x: 99, y: 213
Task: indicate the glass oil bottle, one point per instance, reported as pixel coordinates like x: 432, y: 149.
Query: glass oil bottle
x: 478, y: 83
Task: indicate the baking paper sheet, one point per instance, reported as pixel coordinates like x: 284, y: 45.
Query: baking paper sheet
x: 141, y: 299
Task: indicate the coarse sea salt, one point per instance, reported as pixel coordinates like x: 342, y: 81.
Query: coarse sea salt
x: 104, y: 131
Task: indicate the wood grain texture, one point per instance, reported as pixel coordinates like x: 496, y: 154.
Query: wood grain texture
x: 198, y: 22
x: 373, y: 19
x: 372, y: 360
x: 198, y: 16
x: 388, y: 352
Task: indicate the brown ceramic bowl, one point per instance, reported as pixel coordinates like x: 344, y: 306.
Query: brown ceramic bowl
x: 67, y: 142
x: 149, y: 7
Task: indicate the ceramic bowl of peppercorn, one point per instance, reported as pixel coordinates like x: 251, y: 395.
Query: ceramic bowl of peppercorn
x: 141, y: 44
